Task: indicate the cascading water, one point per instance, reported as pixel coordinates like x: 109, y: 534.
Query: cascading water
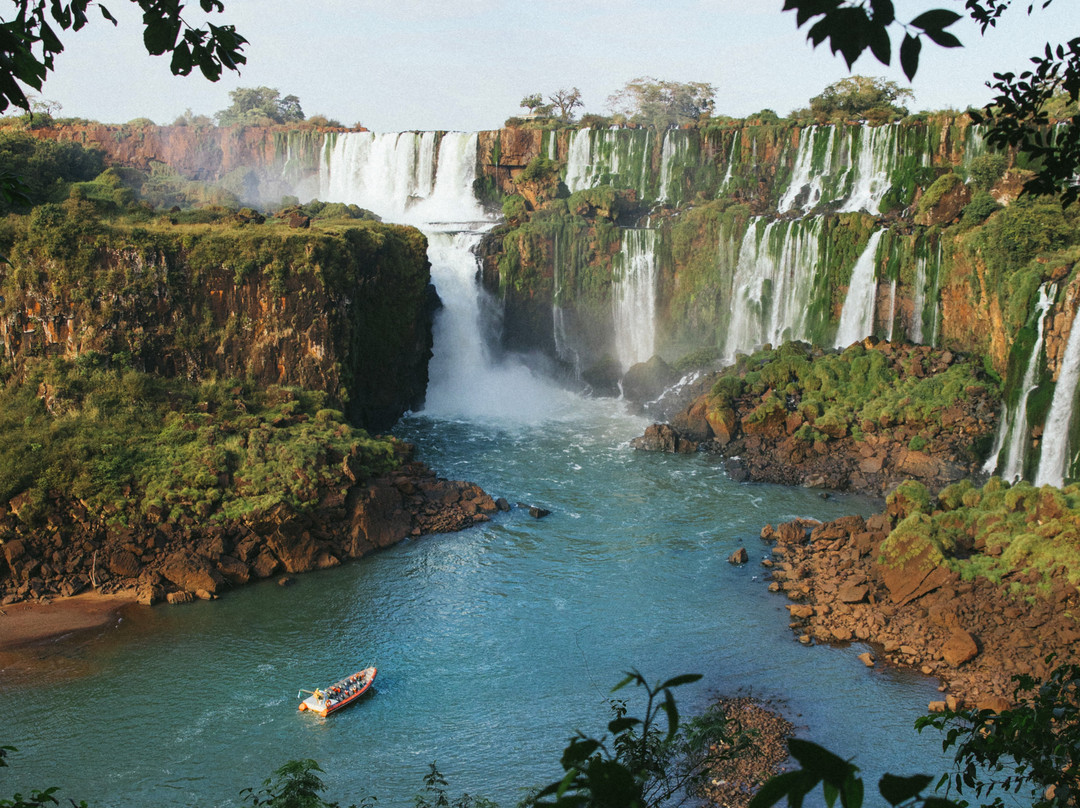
x: 812, y: 163
x: 1013, y: 429
x: 918, y: 300
x: 1055, y: 460
x: 674, y: 148
x: 622, y: 155
x: 634, y: 297
x: 772, y: 282
x: 871, y: 172
x: 892, y: 309
x: 399, y: 177
x: 857, y: 317
x: 731, y: 161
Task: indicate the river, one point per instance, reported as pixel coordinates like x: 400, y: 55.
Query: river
x: 494, y: 645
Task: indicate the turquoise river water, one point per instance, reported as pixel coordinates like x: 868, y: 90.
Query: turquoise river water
x: 493, y: 645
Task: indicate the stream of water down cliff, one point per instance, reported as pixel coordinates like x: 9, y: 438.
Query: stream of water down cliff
x: 493, y: 645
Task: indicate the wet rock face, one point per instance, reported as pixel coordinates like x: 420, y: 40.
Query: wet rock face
x: 973, y: 635
x: 178, y: 563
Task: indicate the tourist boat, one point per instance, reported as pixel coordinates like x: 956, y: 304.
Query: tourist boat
x: 340, y: 694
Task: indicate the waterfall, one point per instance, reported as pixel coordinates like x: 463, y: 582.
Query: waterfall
x: 915, y: 331
x: 871, y: 172
x: 773, y: 279
x: 634, y: 297
x: 674, y: 148
x: 730, y: 162
x: 892, y: 309
x: 619, y: 157
x: 563, y: 347
x: 1054, y: 462
x: 857, y: 316
x: 427, y: 181
x: 813, y: 163
x: 1013, y: 429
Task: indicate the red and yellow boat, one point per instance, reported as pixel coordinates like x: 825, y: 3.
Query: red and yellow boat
x: 340, y: 694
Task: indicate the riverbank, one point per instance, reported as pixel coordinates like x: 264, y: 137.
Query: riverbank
x: 23, y: 624
x: 973, y: 634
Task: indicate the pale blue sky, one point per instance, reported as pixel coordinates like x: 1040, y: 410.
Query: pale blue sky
x: 465, y: 64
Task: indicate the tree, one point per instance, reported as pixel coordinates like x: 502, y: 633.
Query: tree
x: 664, y: 103
x: 566, y: 101
x: 259, y: 106
x: 1018, y: 114
x: 29, y: 41
x: 534, y: 103
x: 860, y: 97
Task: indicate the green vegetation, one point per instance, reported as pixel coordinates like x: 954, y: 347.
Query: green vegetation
x: 124, y: 442
x: 1017, y: 534
x: 259, y: 106
x: 38, y: 170
x: 662, y: 104
x: 859, y: 98
x: 850, y: 393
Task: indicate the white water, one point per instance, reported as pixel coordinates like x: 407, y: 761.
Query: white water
x: 730, y: 162
x: 399, y: 177
x: 857, y: 317
x: 804, y: 175
x: 877, y: 148
x: 892, y: 309
x: 1055, y: 458
x: 593, y: 153
x: 773, y: 280
x: 1013, y: 429
x: 563, y: 346
x: 634, y: 297
x: 915, y: 332
x: 674, y: 147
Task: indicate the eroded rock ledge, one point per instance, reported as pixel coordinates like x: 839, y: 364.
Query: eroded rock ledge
x: 157, y: 560
x: 862, y: 420
x: 972, y: 635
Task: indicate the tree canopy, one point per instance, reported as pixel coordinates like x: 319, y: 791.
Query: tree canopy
x: 1017, y: 116
x: 259, y: 106
x: 29, y: 41
x: 861, y: 97
x: 560, y: 103
x: 664, y: 103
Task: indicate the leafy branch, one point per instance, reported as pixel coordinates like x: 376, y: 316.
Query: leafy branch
x: 30, y: 41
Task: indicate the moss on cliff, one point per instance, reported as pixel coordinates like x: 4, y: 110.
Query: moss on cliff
x: 1018, y: 535
x: 852, y: 393
x: 127, y: 444
x: 344, y: 307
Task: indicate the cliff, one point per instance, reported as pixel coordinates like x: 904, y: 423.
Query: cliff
x: 346, y: 309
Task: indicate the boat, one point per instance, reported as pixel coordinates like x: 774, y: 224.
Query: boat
x: 341, y: 694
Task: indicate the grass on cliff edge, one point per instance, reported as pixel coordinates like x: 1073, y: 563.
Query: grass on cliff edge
x: 855, y: 391
x: 1017, y: 535
x: 127, y: 443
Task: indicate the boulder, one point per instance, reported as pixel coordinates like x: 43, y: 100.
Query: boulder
x: 125, y: 564
x: 959, y: 648
x: 192, y: 573
x: 740, y: 556
x: 663, y: 438
x: 647, y: 381
x: 603, y: 377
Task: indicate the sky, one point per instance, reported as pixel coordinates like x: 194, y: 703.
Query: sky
x: 394, y: 65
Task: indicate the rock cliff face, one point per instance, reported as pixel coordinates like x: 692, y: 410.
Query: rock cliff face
x: 158, y: 560
x: 348, y: 312
x: 776, y: 424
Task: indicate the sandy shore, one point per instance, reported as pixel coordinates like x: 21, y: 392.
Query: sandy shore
x: 25, y: 623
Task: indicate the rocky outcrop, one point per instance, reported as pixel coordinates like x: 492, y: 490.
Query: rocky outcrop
x: 156, y: 560
x: 973, y: 635
x: 347, y: 312
x: 770, y: 438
